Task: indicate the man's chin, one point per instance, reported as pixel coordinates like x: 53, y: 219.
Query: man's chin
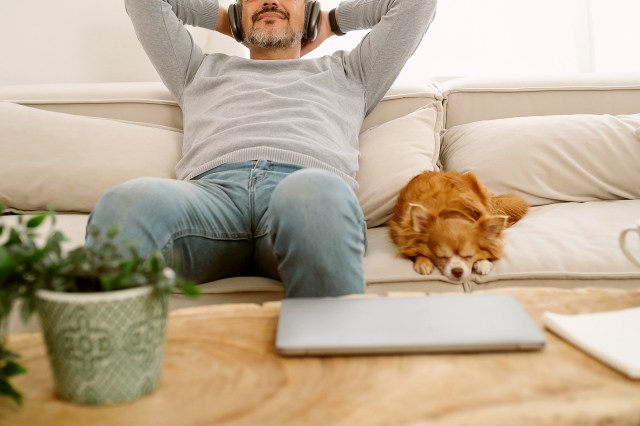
x: 272, y: 25
x: 272, y: 38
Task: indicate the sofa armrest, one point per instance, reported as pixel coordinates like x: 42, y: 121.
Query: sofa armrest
x: 140, y: 102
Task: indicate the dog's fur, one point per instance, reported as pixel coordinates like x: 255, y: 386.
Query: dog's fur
x: 452, y: 221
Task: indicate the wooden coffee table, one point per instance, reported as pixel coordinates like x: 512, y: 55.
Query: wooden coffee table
x: 221, y: 368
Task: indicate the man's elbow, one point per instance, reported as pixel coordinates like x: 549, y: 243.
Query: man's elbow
x: 427, y: 10
x: 133, y: 5
x: 429, y: 7
x: 422, y: 8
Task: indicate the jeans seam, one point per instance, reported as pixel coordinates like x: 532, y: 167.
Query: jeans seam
x: 186, y: 234
x: 255, y: 237
x: 252, y: 200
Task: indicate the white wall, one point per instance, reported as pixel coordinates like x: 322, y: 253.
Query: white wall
x: 66, y: 41
x: 60, y: 41
x: 493, y: 37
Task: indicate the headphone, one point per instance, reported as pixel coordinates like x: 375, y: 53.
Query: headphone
x: 311, y: 19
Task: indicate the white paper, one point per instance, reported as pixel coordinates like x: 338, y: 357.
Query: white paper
x: 613, y: 337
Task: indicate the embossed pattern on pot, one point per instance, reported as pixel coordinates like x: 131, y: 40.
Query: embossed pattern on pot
x: 105, y: 352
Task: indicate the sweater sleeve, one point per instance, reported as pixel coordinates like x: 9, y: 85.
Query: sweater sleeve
x: 159, y: 25
x: 398, y: 27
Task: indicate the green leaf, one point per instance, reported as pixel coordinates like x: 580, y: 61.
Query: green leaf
x: 155, y: 264
x: 190, y: 289
x: 14, y: 237
x: 108, y: 281
x: 7, y: 355
x: 7, y: 264
x: 12, y: 369
x: 113, y: 232
x: 9, y: 368
x: 93, y: 231
x: 6, y: 390
x: 36, y: 221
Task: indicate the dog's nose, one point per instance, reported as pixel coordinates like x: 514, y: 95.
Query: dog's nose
x: 457, y: 272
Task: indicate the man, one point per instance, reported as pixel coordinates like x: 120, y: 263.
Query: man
x: 266, y: 185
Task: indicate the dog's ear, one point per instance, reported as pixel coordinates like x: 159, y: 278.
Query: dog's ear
x: 472, y: 181
x: 420, y: 217
x: 476, y: 186
x: 492, y: 226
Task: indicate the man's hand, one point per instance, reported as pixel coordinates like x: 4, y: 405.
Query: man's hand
x: 324, y: 32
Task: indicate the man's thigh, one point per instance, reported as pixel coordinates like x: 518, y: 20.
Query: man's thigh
x: 202, y: 227
x: 316, y: 236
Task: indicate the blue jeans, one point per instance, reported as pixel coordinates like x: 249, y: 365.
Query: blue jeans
x: 301, y: 226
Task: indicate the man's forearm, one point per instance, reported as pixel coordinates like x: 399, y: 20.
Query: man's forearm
x: 365, y: 14
x: 379, y: 58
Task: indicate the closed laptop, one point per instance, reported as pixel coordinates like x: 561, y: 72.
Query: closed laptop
x: 426, y: 324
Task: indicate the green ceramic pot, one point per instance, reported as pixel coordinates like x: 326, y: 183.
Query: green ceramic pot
x: 104, y: 348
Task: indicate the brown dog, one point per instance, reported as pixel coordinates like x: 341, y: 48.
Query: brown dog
x: 452, y: 221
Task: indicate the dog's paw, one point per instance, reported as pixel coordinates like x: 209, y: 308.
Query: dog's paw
x: 422, y: 265
x: 482, y: 267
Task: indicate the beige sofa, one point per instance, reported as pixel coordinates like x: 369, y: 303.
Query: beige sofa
x: 569, y: 144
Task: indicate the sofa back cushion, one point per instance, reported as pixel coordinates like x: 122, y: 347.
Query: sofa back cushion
x: 66, y: 162
x: 139, y: 102
x: 63, y: 161
x: 547, y: 159
x: 151, y: 102
x: 391, y: 154
x: 73, y: 142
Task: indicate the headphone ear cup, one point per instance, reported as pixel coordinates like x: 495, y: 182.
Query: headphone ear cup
x: 311, y: 20
x: 235, y: 21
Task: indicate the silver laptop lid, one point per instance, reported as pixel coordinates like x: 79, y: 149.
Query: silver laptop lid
x: 460, y: 323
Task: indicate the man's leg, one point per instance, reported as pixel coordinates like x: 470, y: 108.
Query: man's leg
x: 202, y: 227
x: 318, y: 235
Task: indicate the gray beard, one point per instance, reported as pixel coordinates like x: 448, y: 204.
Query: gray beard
x: 273, y: 40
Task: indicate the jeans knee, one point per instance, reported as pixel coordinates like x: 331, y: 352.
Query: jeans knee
x: 318, y: 235
x: 125, y: 202
x: 125, y: 197
x: 138, y: 208
x: 313, y: 189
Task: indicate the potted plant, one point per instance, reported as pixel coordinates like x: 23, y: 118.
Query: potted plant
x: 102, y: 309
x: 18, y: 257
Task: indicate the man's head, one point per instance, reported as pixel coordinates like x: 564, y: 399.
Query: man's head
x: 273, y: 24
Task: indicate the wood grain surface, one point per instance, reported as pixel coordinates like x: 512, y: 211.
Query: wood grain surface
x: 221, y: 368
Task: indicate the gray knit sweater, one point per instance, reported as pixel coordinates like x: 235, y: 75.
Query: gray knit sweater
x: 305, y: 111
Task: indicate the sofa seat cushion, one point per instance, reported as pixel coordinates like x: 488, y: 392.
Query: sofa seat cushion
x: 550, y: 159
x: 568, y: 245
x: 66, y: 162
x: 384, y: 271
x: 73, y: 226
x: 383, y: 266
x: 559, y: 245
